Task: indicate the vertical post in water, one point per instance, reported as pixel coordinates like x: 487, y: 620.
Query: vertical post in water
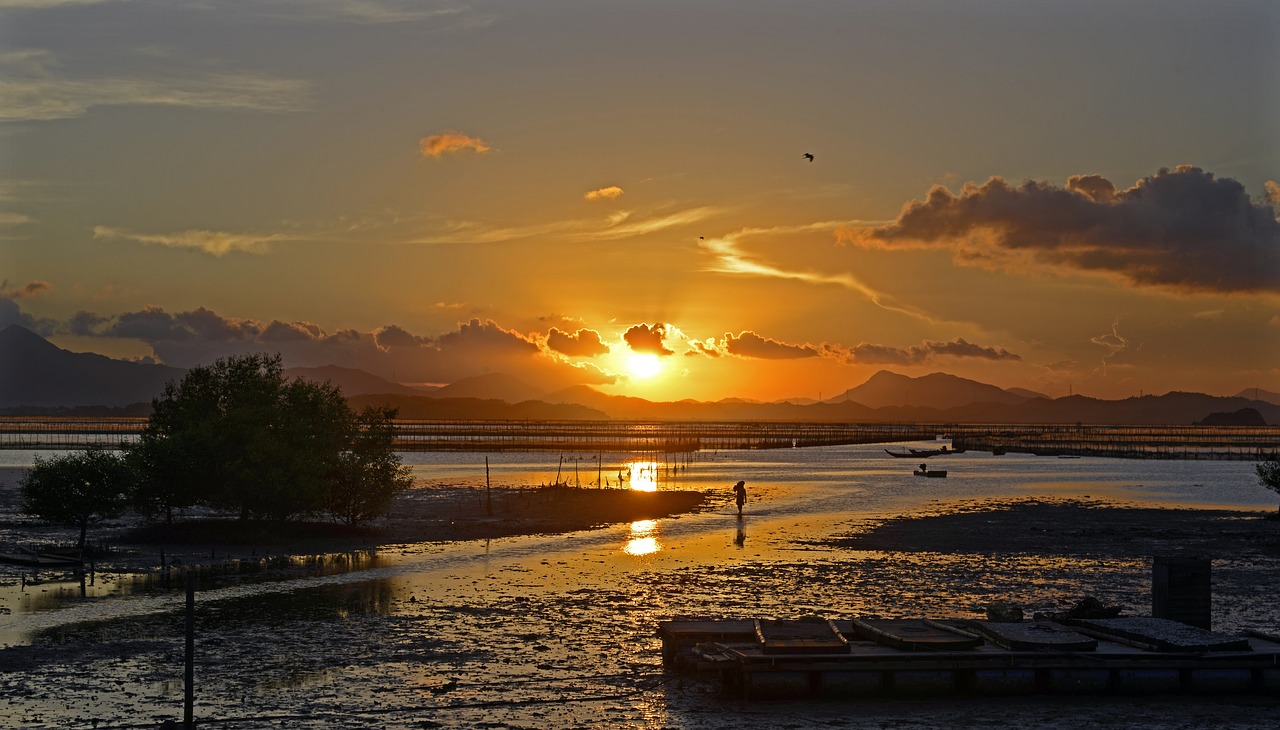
x: 189, y: 673
x: 488, y: 498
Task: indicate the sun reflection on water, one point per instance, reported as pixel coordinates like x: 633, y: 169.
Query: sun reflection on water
x: 643, y: 476
x: 642, y: 540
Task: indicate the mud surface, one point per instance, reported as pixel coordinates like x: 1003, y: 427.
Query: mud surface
x: 556, y: 629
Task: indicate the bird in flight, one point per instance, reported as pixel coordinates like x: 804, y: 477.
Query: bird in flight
x: 808, y: 156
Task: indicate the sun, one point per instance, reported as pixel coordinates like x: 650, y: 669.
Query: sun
x: 644, y: 365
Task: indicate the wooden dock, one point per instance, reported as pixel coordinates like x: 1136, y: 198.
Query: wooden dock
x: 1140, y: 655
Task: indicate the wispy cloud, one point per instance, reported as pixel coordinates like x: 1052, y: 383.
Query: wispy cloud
x: 447, y: 143
x: 14, y: 219
x: 730, y: 259
x: 1182, y: 229
x: 619, y: 225
x: 31, y: 289
x: 31, y: 89
x: 215, y: 243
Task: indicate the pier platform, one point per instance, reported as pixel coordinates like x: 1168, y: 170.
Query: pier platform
x: 922, y: 657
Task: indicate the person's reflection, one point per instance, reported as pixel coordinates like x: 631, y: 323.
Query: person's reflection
x: 740, y: 539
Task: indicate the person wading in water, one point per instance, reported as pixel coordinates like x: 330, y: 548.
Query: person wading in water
x: 740, y: 494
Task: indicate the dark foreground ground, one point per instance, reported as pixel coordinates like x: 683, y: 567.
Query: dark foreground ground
x: 568, y: 641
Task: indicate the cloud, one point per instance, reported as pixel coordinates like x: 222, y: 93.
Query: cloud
x: 583, y: 343
x: 395, y: 336
x: 438, y: 145
x: 869, y: 353
x: 14, y: 219
x: 30, y: 89
x: 31, y: 289
x: 1182, y: 229
x: 1273, y: 191
x: 214, y: 243
x: 645, y: 339
x: 11, y: 313
x: 85, y: 323
x: 730, y: 259
x: 610, y: 193
x: 619, y: 225
x: 1113, y: 341
x: 750, y: 344
x: 201, y: 336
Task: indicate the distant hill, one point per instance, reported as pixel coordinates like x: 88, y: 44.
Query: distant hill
x: 1260, y: 394
x: 37, y: 377
x: 491, y: 386
x: 422, y: 407
x: 352, y: 381
x: 938, y: 391
x: 1242, y: 417
x: 36, y: 373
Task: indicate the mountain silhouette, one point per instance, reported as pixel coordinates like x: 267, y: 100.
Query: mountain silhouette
x: 938, y: 391
x: 352, y: 381
x: 37, y: 373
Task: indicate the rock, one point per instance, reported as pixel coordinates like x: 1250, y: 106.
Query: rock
x: 1003, y: 612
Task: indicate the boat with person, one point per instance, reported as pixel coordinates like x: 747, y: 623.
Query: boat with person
x: 924, y: 471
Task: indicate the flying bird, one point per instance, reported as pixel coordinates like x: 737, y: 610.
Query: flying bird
x: 808, y: 156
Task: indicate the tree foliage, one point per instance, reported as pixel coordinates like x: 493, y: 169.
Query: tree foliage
x: 1269, y: 475
x: 78, y: 489
x: 240, y: 437
x: 369, y: 474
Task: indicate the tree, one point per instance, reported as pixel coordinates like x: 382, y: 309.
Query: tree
x: 78, y: 489
x: 1269, y: 475
x: 370, y: 474
x: 239, y: 436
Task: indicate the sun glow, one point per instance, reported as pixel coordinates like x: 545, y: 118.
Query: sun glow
x: 644, y: 365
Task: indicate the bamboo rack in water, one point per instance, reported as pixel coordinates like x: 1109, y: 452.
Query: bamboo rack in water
x: 678, y: 437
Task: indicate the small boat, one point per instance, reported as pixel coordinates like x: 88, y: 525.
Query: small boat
x: 925, y: 453
x: 935, y: 473
x: 896, y: 455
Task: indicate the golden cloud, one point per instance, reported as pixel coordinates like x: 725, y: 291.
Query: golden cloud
x: 438, y: 145
x: 609, y: 193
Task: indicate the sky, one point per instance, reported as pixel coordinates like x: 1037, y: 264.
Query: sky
x: 1067, y: 197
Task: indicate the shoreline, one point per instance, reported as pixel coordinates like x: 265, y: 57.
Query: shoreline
x: 432, y: 514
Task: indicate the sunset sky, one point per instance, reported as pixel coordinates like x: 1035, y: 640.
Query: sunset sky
x: 1065, y: 197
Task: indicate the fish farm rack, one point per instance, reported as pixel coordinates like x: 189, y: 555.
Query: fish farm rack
x: 673, y: 437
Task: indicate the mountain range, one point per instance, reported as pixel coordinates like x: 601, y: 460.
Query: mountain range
x: 37, y: 377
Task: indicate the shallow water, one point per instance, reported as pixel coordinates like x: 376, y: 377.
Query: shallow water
x: 558, y: 631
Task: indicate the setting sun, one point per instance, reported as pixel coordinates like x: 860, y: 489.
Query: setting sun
x: 644, y: 365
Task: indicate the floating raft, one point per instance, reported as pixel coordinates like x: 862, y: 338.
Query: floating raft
x: 800, y: 637
x: 780, y: 659
x: 913, y: 634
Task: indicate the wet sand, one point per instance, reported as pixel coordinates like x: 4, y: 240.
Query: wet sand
x: 555, y: 630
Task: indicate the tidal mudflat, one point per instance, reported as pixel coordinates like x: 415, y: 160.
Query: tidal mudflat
x: 556, y: 629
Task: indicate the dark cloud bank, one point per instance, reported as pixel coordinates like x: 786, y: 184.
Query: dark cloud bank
x: 1183, y: 229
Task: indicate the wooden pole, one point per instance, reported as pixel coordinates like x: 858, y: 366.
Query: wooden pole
x: 189, y: 675
x: 488, y: 497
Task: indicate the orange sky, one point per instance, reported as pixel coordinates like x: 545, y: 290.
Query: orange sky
x: 1060, y: 197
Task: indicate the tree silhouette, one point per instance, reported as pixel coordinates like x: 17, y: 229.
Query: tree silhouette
x: 1269, y: 475
x: 78, y: 489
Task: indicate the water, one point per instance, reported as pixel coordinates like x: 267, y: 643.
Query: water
x: 558, y: 631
